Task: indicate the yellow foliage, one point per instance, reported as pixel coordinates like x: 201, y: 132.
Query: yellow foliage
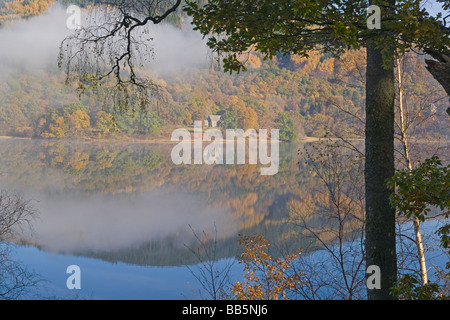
x: 23, y: 8
x: 247, y: 118
x: 234, y: 102
x: 57, y: 129
x: 254, y: 61
x: 327, y: 66
x: 349, y: 62
x: 79, y: 119
x: 266, y: 277
x: 297, y: 60
x: 79, y: 160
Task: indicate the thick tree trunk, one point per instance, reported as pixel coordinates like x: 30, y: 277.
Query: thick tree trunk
x: 379, y: 165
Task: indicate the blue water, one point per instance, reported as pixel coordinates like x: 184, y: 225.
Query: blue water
x: 110, y: 281
x: 106, y: 280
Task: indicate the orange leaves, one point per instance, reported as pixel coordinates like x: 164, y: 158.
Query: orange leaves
x: 247, y: 118
x: 266, y: 277
x: 22, y: 8
x: 78, y: 160
x: 75, y: 123
x: 79, y: 120
x: 56, y: 129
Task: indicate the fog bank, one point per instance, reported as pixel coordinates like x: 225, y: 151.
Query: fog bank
x: 32, y: 44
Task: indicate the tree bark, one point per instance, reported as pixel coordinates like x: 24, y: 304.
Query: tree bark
x: 379, y: 165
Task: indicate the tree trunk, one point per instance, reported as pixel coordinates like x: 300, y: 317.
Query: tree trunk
x: 404, y: 140
x: 420, y: 252
x: 379, y: 165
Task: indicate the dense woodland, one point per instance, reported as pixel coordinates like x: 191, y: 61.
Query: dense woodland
x: 300, y: 96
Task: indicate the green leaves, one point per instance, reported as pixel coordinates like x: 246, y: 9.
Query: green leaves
x: 415, y: 190
x: 418, y: 189
x: 296, y: 27
x: 409, y: 287
x: 286, y: 124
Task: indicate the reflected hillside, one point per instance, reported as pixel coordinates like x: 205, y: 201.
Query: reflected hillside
x: 128, y: 202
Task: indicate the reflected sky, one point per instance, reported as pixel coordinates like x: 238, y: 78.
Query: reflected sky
x: 110, y: 281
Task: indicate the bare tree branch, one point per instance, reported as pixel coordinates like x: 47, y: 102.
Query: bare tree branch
x: 110, y: 48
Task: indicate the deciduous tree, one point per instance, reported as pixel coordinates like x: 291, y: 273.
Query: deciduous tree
x: 283, y: 27
x: 287, y: 27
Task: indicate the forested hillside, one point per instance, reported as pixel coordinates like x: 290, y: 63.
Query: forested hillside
x: 16, y: 9
x: 300, y: 96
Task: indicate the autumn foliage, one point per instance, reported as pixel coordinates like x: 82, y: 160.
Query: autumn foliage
x: 266, y: 277
x: 22, y: 8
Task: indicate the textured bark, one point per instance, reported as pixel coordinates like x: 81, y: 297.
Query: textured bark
x: 379, y: 165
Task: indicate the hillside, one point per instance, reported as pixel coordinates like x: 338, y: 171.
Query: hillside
x: 16, y: 9
x: 300, y: 96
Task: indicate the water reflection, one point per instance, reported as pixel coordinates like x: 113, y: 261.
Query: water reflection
x: 129, y: 202
x: 105, y: 223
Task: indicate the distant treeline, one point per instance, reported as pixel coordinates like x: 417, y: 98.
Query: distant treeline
x: 299, y: 95
x: 16, y: 9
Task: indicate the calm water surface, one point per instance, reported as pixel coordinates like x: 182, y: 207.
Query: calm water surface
x: 126, y: 215
x: 129, y: 217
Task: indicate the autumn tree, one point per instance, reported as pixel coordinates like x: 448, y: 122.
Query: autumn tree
x: 266, y: 277
x: 247, y: 118
x: 22, y: 8
x: 236, y: 27
x: 78, y: 121
x: 237, y: 115
x: 233, y: 28
x: 56, y: 129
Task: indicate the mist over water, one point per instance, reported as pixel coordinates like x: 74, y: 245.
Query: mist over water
x: 75, y: 223
x: 72, y: 222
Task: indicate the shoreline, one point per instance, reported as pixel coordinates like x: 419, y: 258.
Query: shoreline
x: 305, y: 139
x: 134, y: 140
